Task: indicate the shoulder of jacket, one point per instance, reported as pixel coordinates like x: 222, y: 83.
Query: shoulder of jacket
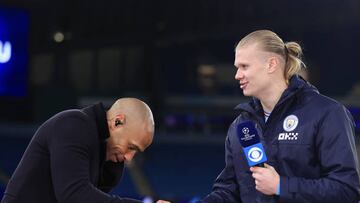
x: 71, y: 115
x: 318, y: 100
x: 326, y: 102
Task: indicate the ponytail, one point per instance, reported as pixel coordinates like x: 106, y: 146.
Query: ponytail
x: 293, y: 62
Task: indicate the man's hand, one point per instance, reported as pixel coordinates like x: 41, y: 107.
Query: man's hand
x: 266, y: 179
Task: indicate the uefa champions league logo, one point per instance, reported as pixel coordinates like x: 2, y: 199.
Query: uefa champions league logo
x: 247, y: 135
x: 255, y: 154
x: 5, y: 51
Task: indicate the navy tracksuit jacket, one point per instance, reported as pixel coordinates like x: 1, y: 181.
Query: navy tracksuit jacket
x: 308, y: 139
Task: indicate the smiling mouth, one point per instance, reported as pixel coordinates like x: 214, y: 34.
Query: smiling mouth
x: 243, y: 85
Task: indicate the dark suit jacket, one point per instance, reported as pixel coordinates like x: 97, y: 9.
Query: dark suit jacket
x: 65, y: 162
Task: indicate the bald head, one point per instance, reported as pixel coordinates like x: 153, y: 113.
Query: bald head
x: 131, y: 128
x: 135, y: 111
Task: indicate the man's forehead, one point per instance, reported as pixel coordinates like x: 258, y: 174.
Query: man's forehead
x: 251, y: 48
x: 255, y: 52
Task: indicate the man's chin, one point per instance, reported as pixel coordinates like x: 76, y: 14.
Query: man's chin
x: 247, y: 94
x: 112, y: 158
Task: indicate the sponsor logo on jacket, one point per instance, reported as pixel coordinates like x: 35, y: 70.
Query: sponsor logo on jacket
x: 288, y: 136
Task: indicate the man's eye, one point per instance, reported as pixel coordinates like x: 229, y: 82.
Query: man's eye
x: 132, y: 148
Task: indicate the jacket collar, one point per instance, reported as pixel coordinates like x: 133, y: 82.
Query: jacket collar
x: 101, y: 121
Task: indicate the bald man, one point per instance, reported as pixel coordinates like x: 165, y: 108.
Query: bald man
x: 78, y: 155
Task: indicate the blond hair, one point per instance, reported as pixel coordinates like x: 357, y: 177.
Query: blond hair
x: 269, y: 41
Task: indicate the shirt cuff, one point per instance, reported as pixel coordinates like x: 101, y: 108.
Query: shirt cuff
x: 278, y: 189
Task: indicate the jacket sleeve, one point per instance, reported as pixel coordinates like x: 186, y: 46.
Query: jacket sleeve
x: 225, y: 188
x: 70, y: 152
x: 336, y: 151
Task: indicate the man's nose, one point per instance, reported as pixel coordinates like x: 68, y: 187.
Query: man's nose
x: 239, y: 74
x: 130, y: 155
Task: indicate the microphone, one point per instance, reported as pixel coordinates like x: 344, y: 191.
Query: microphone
x: 250, y: 141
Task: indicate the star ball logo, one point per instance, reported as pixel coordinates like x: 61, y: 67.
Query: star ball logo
x: 245, y: 130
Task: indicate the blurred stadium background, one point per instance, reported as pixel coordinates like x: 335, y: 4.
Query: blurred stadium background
x: 175, y: 55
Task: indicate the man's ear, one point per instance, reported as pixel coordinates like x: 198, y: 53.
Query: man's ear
x: 120, y: 120
x: 273, y: 64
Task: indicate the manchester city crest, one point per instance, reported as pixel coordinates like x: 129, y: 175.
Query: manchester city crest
x: 290, y: 123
